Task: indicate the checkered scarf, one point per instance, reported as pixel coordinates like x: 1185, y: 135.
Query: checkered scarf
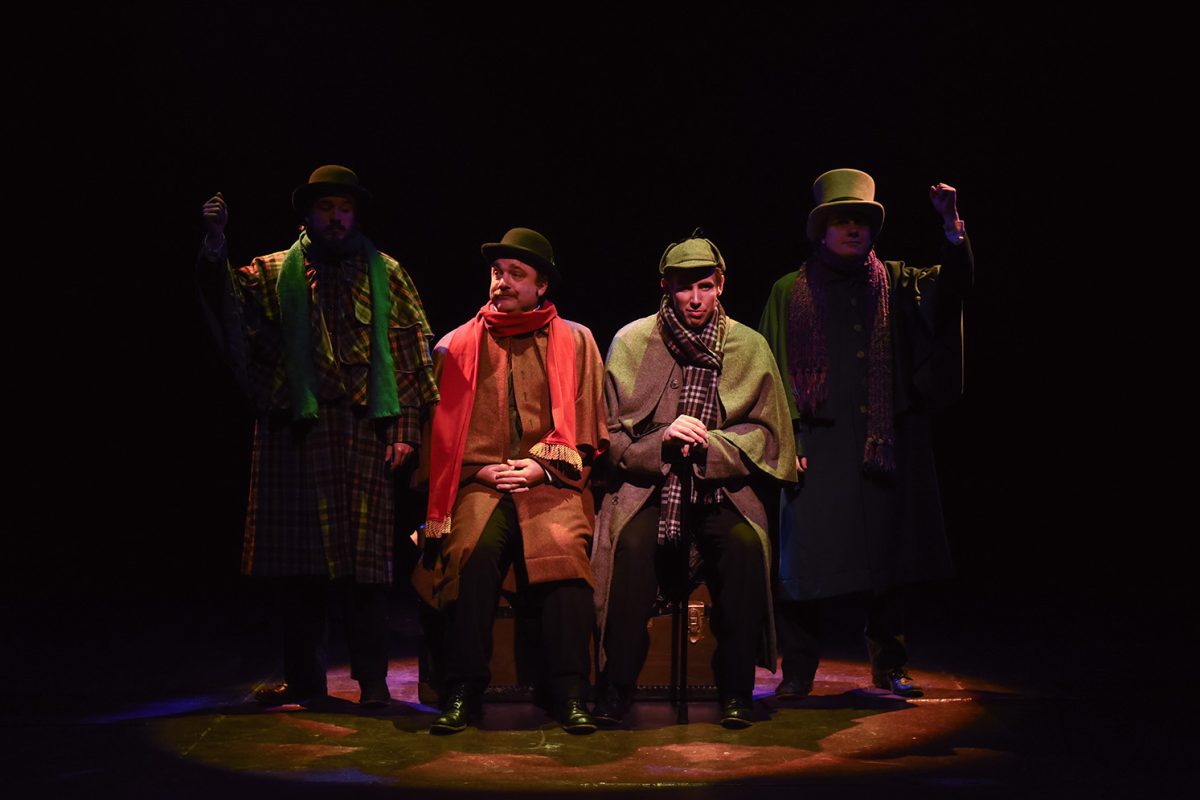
x: 699, y: 353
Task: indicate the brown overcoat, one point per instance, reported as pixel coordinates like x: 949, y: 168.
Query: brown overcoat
x: 751, y: 445
x: 557, y: 518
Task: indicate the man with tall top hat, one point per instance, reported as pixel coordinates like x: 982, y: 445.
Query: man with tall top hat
x: 513, y: 443
x: 699, y: 424
x: 871, y: 349
x: 330, y: 341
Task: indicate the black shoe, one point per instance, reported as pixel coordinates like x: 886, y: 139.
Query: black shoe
x: 575, y: 717
x: 897, y: 681
x: 793, y: 689
x: 736, y: 713
x: 613, y: 705
x: 460, y: 709
x: 282, y: 694
x: 374, y: 693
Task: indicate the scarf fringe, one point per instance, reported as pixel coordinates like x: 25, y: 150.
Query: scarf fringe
x: 436, y: 529
x: 559, y: 453
x: 880, y: 454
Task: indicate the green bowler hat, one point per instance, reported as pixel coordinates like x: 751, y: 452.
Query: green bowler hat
x: 527, y: 245
x: 329, y: 180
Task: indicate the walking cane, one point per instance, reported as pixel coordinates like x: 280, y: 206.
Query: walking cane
x: 679, y: 613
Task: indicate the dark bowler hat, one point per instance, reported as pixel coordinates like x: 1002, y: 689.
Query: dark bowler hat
x: 326, y: 181
x: 841, y: 191
x: 525, y: 245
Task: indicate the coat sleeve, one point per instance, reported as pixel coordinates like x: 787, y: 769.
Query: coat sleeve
x: 233, y: 303
x: 930, y: 302
x: 635, y: 446
x: 774, y: 328
x: 591, y: 434
x: 756, y: 436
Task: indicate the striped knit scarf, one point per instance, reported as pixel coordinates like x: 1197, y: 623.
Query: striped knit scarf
x: 808, y: 348
x: 296, y: 323
x: 700, y: 354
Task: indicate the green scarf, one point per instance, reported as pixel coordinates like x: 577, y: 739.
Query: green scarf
x: 296, y: 324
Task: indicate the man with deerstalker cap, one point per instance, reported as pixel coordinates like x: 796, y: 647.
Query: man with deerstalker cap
x: 871, y: 348
x: 698, y: 420
x: 330, y: 341
x: 514, y: 439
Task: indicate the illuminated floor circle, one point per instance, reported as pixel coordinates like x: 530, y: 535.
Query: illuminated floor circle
x: 842, y: 728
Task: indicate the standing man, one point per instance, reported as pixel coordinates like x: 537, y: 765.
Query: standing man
x: 513, y: 444
x: 329, y: 339
x: 871, y: 348
x: 698, y: 418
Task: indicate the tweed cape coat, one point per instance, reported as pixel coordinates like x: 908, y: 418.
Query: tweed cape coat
x: 556, y: 519
x: 750, y: 450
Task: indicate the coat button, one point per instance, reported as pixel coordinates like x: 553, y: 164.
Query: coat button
x: 674, y: 383
x: 861, y: 354
x: 862, y: 409
x: 853, y: 301
x: 614, y: 499
x: 857, y: 327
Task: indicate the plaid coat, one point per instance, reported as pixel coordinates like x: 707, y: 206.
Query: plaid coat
x: 322, y: 500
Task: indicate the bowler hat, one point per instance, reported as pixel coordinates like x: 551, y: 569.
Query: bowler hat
x: 326, y: 181
x: 840, y: 191
x: 524, y: 245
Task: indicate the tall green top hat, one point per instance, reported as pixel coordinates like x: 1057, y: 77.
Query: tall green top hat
x: 843, y: 191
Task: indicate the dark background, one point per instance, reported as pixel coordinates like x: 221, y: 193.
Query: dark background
x: 613, y: 135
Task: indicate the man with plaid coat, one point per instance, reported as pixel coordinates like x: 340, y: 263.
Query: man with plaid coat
x: 698, y: 423
x: 330, y: 341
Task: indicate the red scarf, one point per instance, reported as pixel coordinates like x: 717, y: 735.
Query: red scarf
x: 457, y: 388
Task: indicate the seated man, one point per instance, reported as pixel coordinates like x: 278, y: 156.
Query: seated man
x: 513, y: 442
x: 699, y: 421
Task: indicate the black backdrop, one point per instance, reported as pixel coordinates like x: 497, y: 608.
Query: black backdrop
x: 614, y: 134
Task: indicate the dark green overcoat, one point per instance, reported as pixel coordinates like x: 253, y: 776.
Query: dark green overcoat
x: 842, y: 529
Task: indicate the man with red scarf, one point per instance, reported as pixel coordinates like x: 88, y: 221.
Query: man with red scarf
x: 514, y: 438
x: 698, y: 418
x: 871, y: 349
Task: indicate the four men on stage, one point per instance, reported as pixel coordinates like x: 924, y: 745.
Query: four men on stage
x: 330, y: 340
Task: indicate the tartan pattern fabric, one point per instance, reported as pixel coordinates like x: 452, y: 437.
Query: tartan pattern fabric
x: 321, y: 497
x: 347, y: 371
x: 700, y: 354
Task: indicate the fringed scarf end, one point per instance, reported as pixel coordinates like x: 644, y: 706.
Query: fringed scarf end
x: 436, y: 529
x: 558, y: 453
x: 879, y: 454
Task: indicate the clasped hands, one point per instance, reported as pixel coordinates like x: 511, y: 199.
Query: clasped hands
x: 514, y: 475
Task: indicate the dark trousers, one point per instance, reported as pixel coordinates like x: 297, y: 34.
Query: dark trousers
x: 566, y: 609
x: 733, y: 568
x: 302, y: 606
x: 799, y: 627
